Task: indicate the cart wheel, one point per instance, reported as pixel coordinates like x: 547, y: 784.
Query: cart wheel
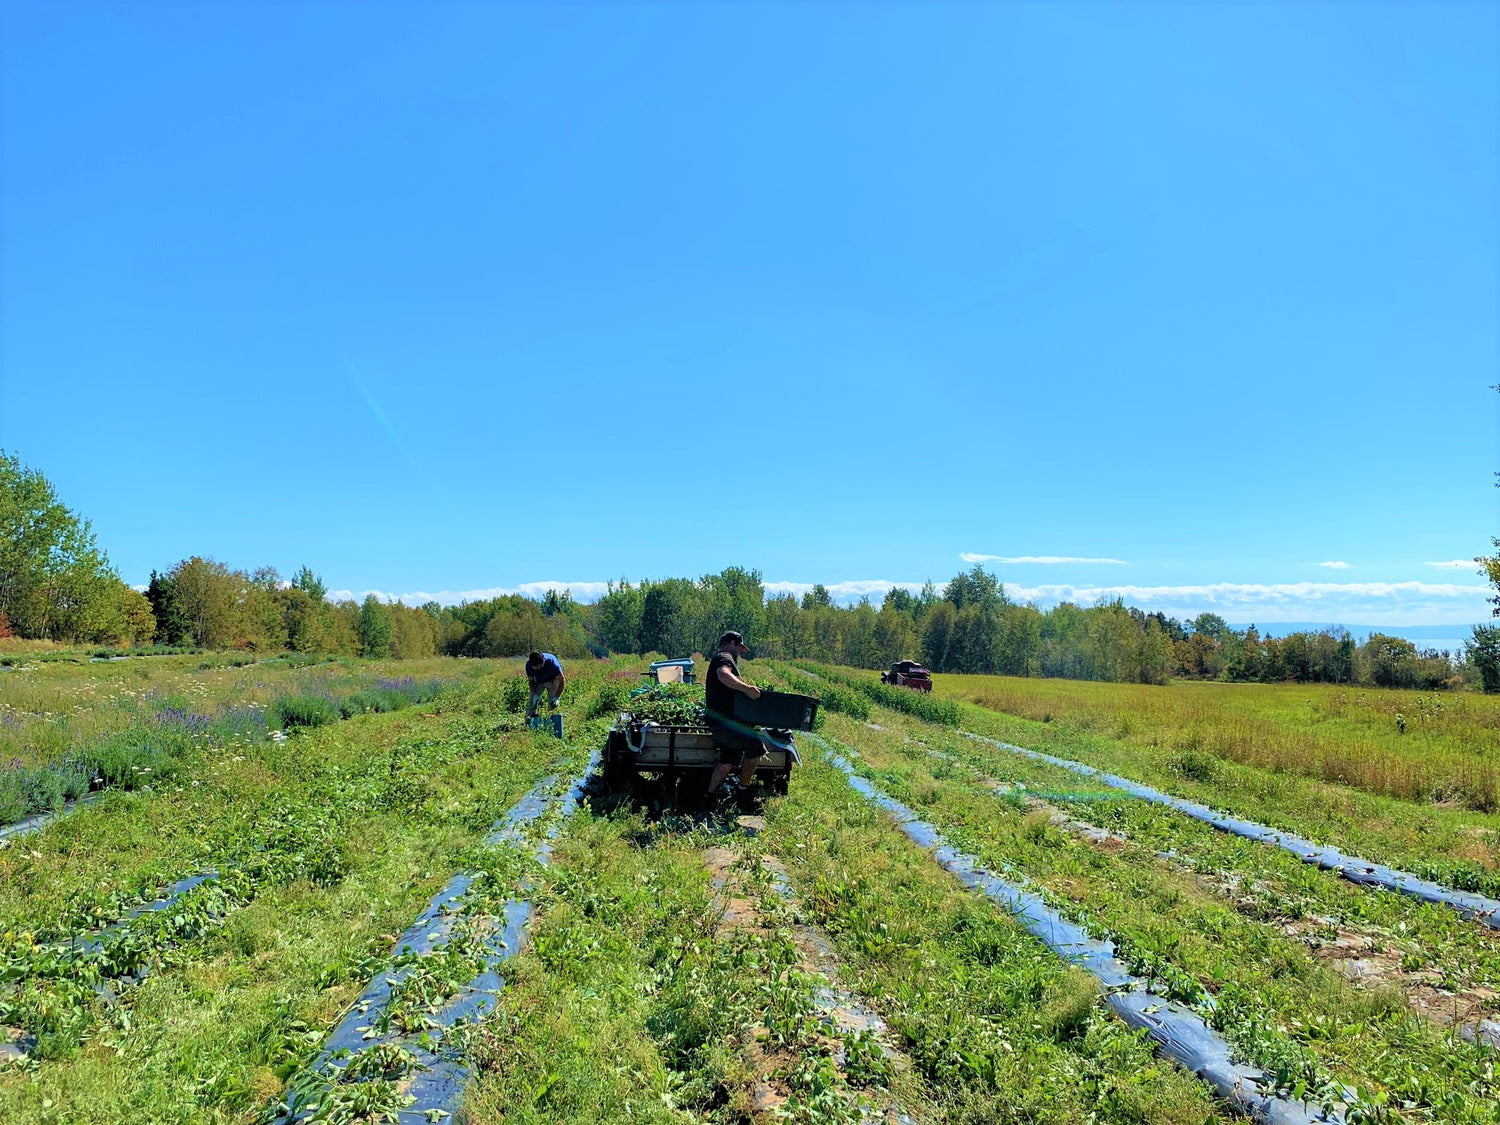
x: 617, y: 779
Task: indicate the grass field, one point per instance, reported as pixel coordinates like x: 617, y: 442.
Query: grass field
x: 1438, y: 747
x: 1447, y: 841
x: 70, y: 729
x: 809, y: 963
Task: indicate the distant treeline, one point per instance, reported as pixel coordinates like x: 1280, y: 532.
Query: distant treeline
x: 972, y: 626
x: 55, y: 583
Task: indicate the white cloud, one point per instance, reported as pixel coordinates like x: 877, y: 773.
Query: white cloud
x: 1455, y: 564
x: 582, y: 591
x: 1044, y: 560
x: 1389, y: 603
x: 1335, y: 564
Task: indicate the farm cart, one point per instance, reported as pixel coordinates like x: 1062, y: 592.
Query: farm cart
x: 678, y: 671
x: 908, y: 673
x: 676, y: 753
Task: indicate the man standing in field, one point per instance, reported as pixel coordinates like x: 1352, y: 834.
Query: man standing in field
x: 544, y: 673
x: 737, y: 745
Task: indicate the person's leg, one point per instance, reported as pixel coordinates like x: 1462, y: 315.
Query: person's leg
x: 731, y: 757
x: 535, y: 706
x: 753, y: 761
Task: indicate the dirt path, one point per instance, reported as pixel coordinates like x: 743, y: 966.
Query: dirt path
x: 755, y: 895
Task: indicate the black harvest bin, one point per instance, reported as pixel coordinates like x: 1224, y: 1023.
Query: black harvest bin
x: 783, y: 709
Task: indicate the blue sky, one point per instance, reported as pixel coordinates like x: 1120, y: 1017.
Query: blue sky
x: 1192, y: 301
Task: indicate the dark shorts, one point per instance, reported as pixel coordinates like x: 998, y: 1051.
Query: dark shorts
x: 734, y: 747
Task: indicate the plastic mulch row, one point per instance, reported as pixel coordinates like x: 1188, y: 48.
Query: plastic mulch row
x: 1179, y: 1033
x: 1480, y: 908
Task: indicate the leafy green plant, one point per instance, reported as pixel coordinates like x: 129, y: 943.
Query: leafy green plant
x: 608, y: 701
x: 306, y: 711
x: 668, y: 704
x: 865, y: 1062
x: 515, y: 695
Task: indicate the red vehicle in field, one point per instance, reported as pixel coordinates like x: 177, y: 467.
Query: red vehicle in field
x: 908, y: 673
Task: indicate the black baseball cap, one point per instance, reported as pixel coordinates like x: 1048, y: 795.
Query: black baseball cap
x: 731, y: 637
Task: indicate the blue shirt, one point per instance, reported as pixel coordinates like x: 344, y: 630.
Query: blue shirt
x: 549, y: 670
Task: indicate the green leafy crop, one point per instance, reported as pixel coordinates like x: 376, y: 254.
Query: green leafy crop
x: 669, y: 704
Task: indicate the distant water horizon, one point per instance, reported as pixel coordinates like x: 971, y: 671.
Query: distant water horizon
x: 1449, y: 638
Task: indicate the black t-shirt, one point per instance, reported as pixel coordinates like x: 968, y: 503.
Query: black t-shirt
x: 718, y: 697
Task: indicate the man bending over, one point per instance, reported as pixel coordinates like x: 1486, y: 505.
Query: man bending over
x: 545, y: 675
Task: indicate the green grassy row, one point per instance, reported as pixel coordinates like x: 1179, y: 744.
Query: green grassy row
x: 1434, y: 945
x: 1279, y: 1006
x: 635, y: 1001
x: 998, y: 1028
x: 328, y: 845
x: 1431, y: 747
x: 1451, y: 845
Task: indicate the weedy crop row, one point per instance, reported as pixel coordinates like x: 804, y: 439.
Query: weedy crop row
x: 905, y: 700
x: 1183, y: 1035
x: 1448, y: 968
x: 343, y: 832
x: 1415, y: 746
x: 1484, y: 911
x: 1285, y: 1011
x: 996, y: 1026
x: 832, y: 696
x: 640, y: 999
x: 147, y: 743
x: 444, y: 978
x: 1451, y: 846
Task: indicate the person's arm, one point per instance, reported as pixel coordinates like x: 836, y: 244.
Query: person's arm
x: 730, y: 680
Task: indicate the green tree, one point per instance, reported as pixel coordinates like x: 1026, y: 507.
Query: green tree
x: 788, y: 628
x: 661, y: 618
x: 936, y: 638
x: 1343, y: 661
x: 618, y: 617
x: 894, y: 634
x: 1152, y: 653
x: 732, y: 599
x: 54, y: 580
x: 413, y: 632
x: 818, y: 596
x: 306, y: 621
x: 171, y: 625
x: 206, y: 593
x: 374, y: 628
x: 1212, y: 626
x: 310, y: 584
x: 136, y: 611
x: 1483, y: 649
x: 900, y: 600
x: 1392, y: 660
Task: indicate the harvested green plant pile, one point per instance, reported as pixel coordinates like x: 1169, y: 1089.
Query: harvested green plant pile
x: 671, y: 704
